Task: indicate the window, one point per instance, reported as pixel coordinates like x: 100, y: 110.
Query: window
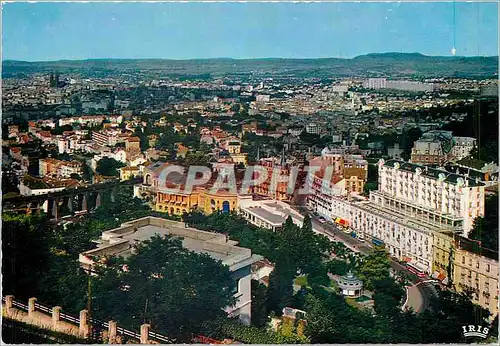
x: 463, y: 259
x: 477, y: 264
x: 488, y: 268
x: 236, y: 286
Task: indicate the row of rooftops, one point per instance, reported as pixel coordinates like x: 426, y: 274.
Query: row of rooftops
x: 433, y: 173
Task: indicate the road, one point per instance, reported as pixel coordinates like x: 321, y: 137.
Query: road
x: 419, y: 294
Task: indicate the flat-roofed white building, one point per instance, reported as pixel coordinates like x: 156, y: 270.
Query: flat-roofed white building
x: 120, y: 241
x: 269, y: 213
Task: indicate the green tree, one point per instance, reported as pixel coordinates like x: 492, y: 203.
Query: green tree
x: 75, y: 176
x: 485, y: 229
x: 448, y: 312
x: 388, y: 297
x: 407, y: 139
x: 337, y: 267
x: 25, y: 251
x: 374, y: 267
x: 125, y: 207
x: 259, y: 309
x: 280, y: 290
x: 108, y: 167
x: 174, y: 289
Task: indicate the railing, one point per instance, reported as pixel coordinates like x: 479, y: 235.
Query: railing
x: 95, y: 322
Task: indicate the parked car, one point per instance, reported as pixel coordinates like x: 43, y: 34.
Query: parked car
x: 322, y: 220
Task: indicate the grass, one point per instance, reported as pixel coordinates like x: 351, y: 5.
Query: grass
x: 362, y: 299
x: 301, y: 280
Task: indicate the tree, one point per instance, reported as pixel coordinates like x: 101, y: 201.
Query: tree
x: 75, y: 176
x: 374, y: 267
x: 280, y: 290
x: 108, y: 167
x: 407, y: 140
x: 485, y: 229
x: 173, y: 289
x: 25, y: 251
x: 388, y: 297
x: 441, y: 323
x: 125, y: 207
x: 259, y: 309
x: 87, y: 172
x: 369, y: 187
x: 337, y: 267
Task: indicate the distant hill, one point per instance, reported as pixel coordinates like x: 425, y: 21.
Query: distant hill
x: 394, y: 65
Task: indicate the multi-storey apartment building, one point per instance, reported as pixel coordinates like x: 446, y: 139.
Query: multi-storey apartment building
x: 474, y: 270
x: 433, y: 148
x: 58, y: 168
x: 467, y: 267
x: 404, y: 236
x: 463, y: 147
x: 414, y: 207
x: 478, y: 275
x: 313, y: 128
x: 375, y: 83
x: 348, y: 176
x: 438, y: 147
x: 104, y: 139
x: 430, y: 194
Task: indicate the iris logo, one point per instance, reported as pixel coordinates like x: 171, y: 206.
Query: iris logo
x: 472, y: 330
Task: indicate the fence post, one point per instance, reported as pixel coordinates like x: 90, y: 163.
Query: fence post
x: 145, y: 333
x: 31, y: 306
x: 8, y: 303
x: 56, y: 315
x: 84, y: 328
x: 112, y: 332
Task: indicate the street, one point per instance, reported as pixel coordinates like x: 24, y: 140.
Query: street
x: 419, y: 294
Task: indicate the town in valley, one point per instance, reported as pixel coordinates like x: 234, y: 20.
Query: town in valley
x: 266, y: 201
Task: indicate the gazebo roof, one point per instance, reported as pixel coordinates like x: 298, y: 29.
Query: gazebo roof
x: 350, y: 281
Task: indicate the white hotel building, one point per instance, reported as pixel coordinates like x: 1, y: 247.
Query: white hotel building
x: 411, y: 204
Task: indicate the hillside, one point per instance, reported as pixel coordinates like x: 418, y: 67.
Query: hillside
x: 388, y: 64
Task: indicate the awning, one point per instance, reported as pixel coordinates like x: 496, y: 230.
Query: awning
x: 435, y: 275
x: 445, y: 281
x: 341, y: 221
x: 441, y: 277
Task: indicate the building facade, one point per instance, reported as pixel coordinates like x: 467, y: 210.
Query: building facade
x: 479, y: 275
x: 463, y: 147
x: 58, y: 168
x: 433, y: 148
x: 435, y: 195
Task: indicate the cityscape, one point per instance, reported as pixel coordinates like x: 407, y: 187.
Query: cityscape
x: 250, y: 173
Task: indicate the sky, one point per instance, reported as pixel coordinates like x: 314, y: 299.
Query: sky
x: 55, y: 31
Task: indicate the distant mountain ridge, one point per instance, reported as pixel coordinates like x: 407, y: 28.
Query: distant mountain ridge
x: 390, y: 64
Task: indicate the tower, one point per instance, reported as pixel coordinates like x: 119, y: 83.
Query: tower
x: 52, y: 80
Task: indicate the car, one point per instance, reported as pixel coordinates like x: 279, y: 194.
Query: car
x: 322, y: 220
